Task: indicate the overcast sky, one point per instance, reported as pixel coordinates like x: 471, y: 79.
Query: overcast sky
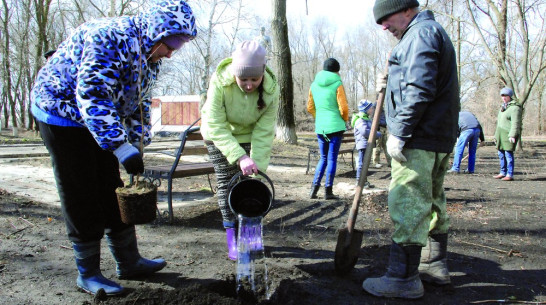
x: 344, y: 13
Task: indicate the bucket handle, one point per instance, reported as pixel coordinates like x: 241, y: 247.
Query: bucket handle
x: 240, y: 176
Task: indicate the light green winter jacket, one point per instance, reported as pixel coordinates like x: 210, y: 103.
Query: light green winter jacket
x: 327, y: 102
x: 508, y: 126
x: 230, y: 116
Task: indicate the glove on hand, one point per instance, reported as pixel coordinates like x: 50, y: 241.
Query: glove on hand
x: 512, y: 140
x: 394, y: 148
x: 248, y: 166
x: 130, y: 158
x: 380, y: 82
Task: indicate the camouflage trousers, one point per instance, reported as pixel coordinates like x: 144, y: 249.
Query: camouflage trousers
x: 417, y: 201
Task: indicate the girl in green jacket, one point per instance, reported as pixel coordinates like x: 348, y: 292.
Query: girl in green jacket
x: 327, y: 103
x: 238, y: 122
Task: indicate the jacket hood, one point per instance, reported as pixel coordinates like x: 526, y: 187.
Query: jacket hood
x: 357, y: 116
x: 165, y: 18
x: 226, y: 77
x: 326, y: 78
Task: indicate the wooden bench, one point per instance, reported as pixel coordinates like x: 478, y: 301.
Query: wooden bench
x: 178, y: 169
x: 347, y: 146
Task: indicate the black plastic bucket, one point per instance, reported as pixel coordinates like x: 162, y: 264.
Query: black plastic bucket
x: 250, y: 197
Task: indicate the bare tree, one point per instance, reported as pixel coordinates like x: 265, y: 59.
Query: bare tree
x: 303, y: 71
x: 366, y: 48
x: 540, y: 97
x: 7, y: 82
x: 518, y: 59
x: 219, y: 14
x: 121, y: 9
x: 286, y: 128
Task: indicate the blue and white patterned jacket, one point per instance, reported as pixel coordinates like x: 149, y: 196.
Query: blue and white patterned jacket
x: 100, y: 75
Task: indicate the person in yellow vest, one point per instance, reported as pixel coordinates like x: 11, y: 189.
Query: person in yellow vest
x: 327, y: 103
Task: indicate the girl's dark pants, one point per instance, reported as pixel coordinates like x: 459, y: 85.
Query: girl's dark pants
x: 224, y: 172
x: 87, y: 177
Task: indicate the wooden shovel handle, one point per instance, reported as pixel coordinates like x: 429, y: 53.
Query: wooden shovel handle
x: 367, y: 155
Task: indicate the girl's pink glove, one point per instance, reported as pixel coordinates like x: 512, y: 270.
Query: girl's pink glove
x: 247, y: 165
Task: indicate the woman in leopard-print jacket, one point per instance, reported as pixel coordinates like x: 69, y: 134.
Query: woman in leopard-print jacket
x: 92, y: 104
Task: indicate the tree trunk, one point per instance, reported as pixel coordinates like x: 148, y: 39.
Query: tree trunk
x: 6, y: 66
x: 286, y: 127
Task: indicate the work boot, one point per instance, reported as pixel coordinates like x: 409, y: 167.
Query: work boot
x: 314, y: 191
x: 433, y: 267
x: 231, y: 238
x: 123, y: 246
x: 328, y: 194
x: 90, y: 278
x: 402, y: 278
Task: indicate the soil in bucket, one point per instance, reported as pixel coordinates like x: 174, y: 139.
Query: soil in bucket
x: 137, y: 202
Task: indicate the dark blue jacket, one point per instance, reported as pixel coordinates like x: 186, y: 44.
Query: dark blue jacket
x: 422, y: 98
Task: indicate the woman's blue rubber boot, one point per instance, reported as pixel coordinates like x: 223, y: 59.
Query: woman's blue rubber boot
x: 123, y: 246
x: 90, y: 278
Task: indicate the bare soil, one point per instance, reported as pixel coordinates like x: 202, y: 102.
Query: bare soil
x: 496, y: 251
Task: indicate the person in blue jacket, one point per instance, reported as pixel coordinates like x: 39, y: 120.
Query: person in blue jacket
x: 92, y: 104
x: 470, y: 131
x: 362, y: 125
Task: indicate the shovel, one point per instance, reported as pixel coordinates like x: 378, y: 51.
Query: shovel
x: 349, y: 240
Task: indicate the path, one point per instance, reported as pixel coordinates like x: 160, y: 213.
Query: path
x: 38, y: 184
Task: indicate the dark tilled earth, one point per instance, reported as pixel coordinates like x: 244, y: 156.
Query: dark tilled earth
x: 496, y: 251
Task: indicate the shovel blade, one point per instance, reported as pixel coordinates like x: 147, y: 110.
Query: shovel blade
x: 347, y: 250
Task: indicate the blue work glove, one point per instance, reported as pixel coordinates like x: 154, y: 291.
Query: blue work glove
x: 130, y: 158
x: 394, y: 148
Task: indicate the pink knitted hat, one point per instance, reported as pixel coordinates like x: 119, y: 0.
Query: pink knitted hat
x: 248, y: 60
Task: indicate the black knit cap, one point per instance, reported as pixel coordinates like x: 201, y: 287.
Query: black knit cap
x: 384, y: 8
x: 331, y: 64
